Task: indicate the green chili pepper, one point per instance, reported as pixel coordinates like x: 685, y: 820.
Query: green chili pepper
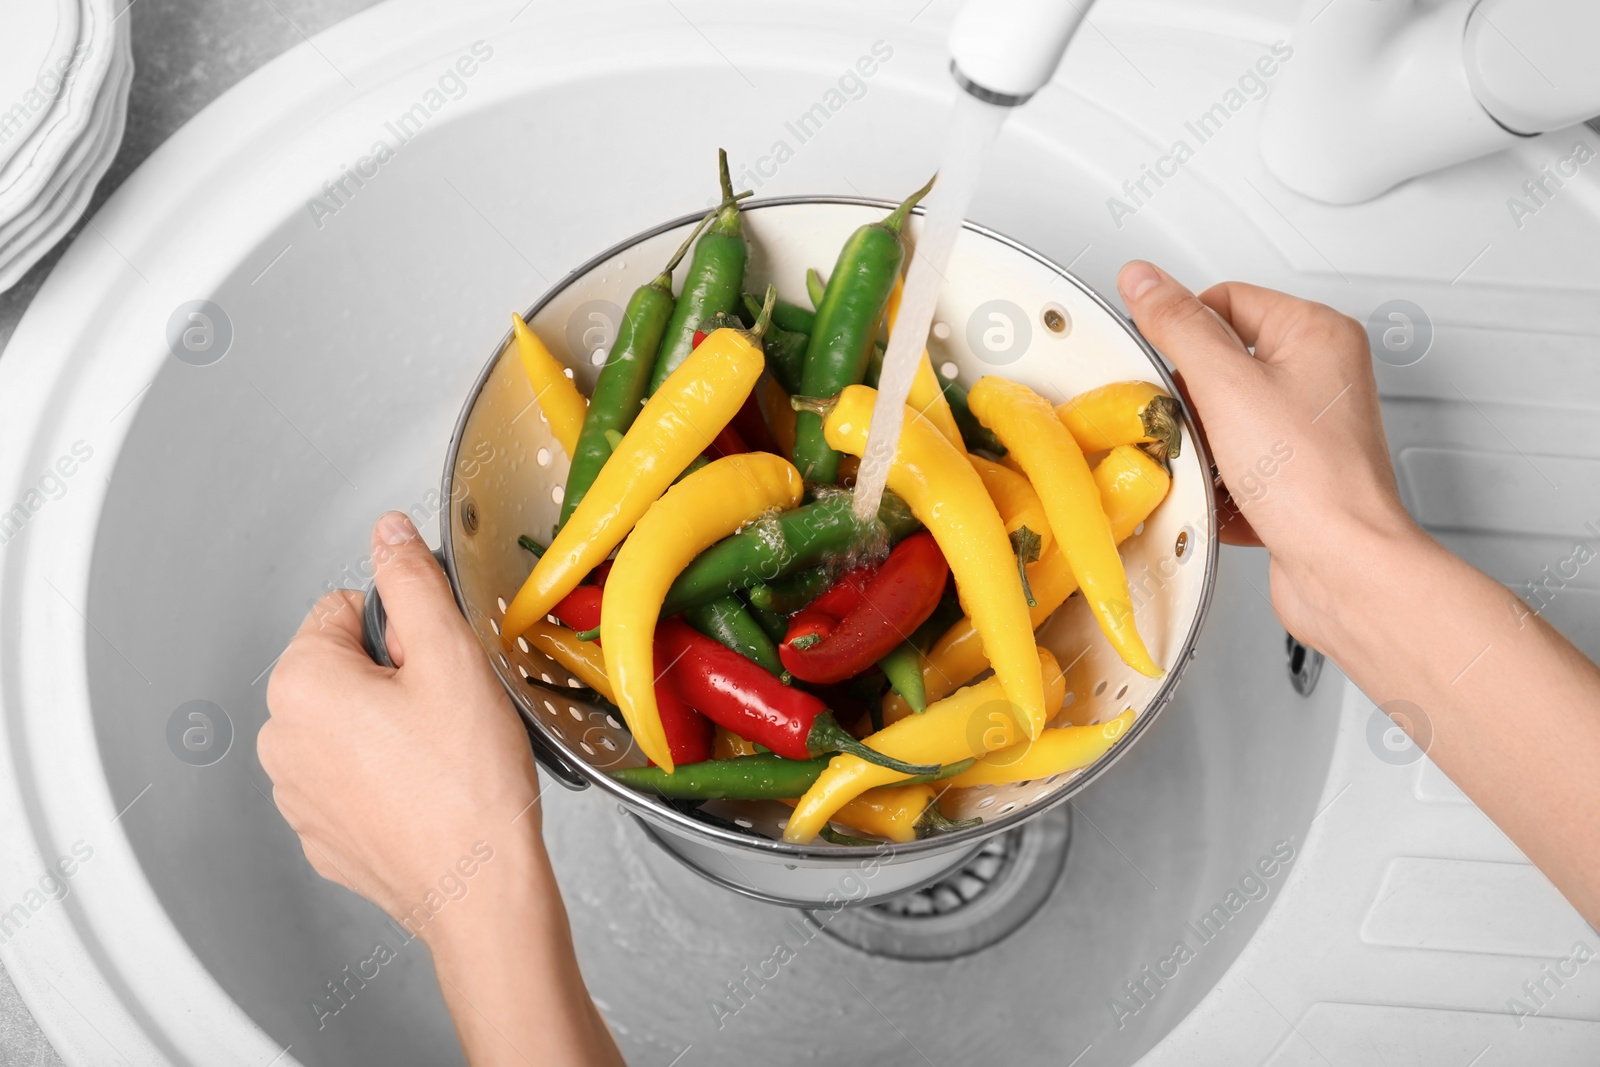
x: 789, y: 541
x: 975, y: 434
x: 713, y: 282
x: 619, y: 391
x: 774, y: 624
x: 793, y: 317
x: 785, y: 350
x: 847, y: 324
x: 726, y: 620
x: 903, y: 668
x: 816, y: 286
x: 790, y: 593
x: 759, y: 777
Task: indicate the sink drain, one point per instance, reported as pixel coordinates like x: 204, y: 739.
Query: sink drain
x: 979, y: 904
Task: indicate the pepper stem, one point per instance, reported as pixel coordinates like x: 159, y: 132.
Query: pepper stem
x: 897, y: 217
x: 1161, y: 422
x: 727, y: 213
x: 531, y: 545
x: 828, y: 736
x: 1026, y: 545
x: 587, y: 635
x: 932, y: 821
x: 816, y: 287
x: 820, y: 406
x: 834, y: 837
x: 764, y: 319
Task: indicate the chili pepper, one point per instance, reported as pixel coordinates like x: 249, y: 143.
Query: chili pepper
x: 745, y: 774
x: 774, y: 401
x: 620, y: 388
x: 1124, y: 413
x: 1056, y: 751
x: 599, y: 575
x: 967, y: 723
x: 793, y: 317
x: 903, y: 667
x: 786, y: 349
x: 771, y: 623
x: 1131, y: 485
x: 816, y: 286
x: 895, y: 601
x: 672, y: 430
x: 531, y: 545
x: 973, y: 432
x: 751, y: 426
x: 688, y: 733
x: 945, y: 492
x: 583, y: 659
x: 787, y: 595
x: 725, y: 744
x: 563, y: 406
x: 847, y: 323
x: 927, y: 394
x: 712, y: 283
x: 726, y: 619
x: 900, y: 813
x: 727, y: 443
x: 693, y: 514
x: 1015, y: 499
x: 1054, y: 463
x: 781, y: 544
x: 736, y: 694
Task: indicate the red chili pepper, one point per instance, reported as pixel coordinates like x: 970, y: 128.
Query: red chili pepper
x: 817, y: 620
x: 689, y: 733
x: 752, y: 426
x: 897, y: 600
x: 739, y: 695
x: 727, y: 443
x: 599, y: 575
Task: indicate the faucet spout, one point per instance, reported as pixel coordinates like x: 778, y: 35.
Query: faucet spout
x: 1004, y: 51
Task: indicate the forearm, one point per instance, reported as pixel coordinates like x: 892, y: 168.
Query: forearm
x: 1512, y: 708
x: 509, y: 974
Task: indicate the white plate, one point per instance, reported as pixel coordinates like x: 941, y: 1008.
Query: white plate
x: 26, y: 175
x: 26, y: 239
x: 39, y: 36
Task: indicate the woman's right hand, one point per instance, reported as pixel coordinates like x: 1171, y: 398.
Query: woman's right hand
x: 1294, y: 428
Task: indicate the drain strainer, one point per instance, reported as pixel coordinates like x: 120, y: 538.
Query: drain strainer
x: 994, y: 892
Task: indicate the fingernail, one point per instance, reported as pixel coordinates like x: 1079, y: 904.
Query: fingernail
x: 395, y: 528
x: 1137, y: 279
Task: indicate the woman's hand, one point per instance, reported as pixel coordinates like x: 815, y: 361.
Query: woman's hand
x: 1294, y: 429
x: 391, y: 776
x: 415, y: 787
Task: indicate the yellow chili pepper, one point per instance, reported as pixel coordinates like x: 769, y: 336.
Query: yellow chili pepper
x: 726, y: 744
x: 563, y: 406
x: 779, y: 415
x: 1056, y: 751
x: 1131, y: 485
x: 967, y: 723
x: 1028, y: 427
x: 896, y: 812
x: 946, y: 494
x: 695, y: 514
x: 1123, y: 413
x: 927, y: 395
x: 692, y: 406
x: 583, y: 658
x: 1018, y: 504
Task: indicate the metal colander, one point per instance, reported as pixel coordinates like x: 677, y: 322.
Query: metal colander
x: 1003, y: 310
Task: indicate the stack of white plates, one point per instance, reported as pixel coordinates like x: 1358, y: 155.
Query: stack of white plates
x: 65, y: 66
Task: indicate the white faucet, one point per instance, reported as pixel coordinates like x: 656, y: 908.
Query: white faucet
x: 1379, y: 91
x: 1003, y: 51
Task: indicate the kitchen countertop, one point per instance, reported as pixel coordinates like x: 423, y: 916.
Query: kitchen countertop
x: 186, y: 53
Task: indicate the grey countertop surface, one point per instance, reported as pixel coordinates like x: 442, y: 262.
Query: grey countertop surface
x: 186, y: 53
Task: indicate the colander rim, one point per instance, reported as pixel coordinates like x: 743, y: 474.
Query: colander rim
x: 653, y: 808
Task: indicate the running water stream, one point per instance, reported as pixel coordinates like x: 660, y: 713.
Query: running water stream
x: 972, y: 130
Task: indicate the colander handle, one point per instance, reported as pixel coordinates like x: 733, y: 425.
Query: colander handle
x: 374, y: 638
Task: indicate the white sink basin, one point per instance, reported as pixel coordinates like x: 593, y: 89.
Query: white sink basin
x: 218, y: 500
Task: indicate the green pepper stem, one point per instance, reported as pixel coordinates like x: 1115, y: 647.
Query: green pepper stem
x: 664, y: 279
x: 588, y: 635
x: 828, y: 736
x: 1162, y: 421
x: 1026, y: 545
x: 897, y: 217
x: 932, y: 821
x: 764, y: 319
x: 727, y: 213
x: 532, y: 546
x: 816, y: 286
x: 820, y: 406
x: 834, y: 837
